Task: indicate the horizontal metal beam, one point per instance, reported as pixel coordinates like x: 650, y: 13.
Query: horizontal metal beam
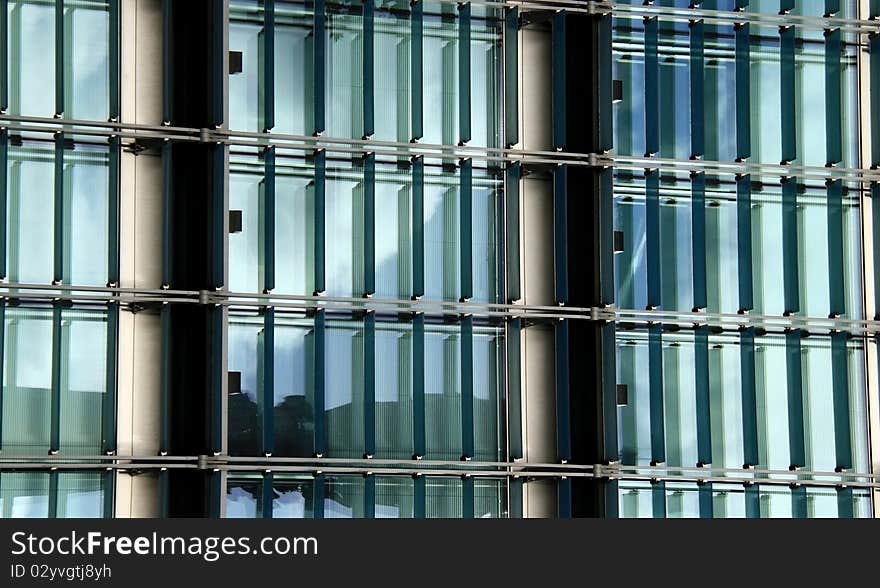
x: 431, y: 151
x: 516, y: 469
x: 136, y: 299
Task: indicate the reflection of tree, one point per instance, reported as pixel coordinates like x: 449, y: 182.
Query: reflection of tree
x: 294, y: 426
x: 244, y: 425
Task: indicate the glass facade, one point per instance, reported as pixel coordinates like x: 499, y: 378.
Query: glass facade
x: 350, y: 243
x: 59, y: 203
x: 781, y: 245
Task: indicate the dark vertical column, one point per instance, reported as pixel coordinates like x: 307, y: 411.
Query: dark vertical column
x: 416, y: 50
x: 589, y: 260
x: 320, y: 440
x: 370, y: 385
x: 464, y: 73
x: 418, y: 227
x: 4, y: 191
x: 749, y: 397
x: 512, y: 222
x: 195, y: 334
x: 369, y: 224
x: 790, y: 273
x: 744, y: 241
x: 418, y: 375
x: 794, y: 383
x: 4, y: 63
x: 511, y: 76
x: 840, y: 392
x: 466, y: 234
x: 368, y: 57
x: 267, y: 384
x: 698, y: 232
x: 59, y: 59
x: 113, y: 204
x: 114, y: 49
x: 697, y: 63
x: 787, y: 92
x: 467, y: 387
x: 743, y: 92
x: 108, y: 417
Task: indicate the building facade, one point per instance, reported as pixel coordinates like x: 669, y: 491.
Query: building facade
x: 430, y: 258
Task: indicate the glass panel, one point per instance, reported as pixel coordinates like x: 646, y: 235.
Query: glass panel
x: 394, y: 379
x: 344, y: 392
x: 24, y: 495
x: 81, y: 495
x: 443, y: 392
x: 294, y: 387
x: 32, y: 58
x: 443, y: 498
x: 83, y: 382
x: 87, y: 70
x: 245, y: 424
x: 27, y: 381
x: 344, y: 497
x: 489, y: 499
x: 293, y: 497
x: 87, y: 215
x: 31, y: 238
x: 394, y: 497
x: 244, y: 498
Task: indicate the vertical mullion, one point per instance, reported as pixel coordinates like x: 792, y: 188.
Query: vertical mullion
x: 107, y: 483
x: 318, y: 392
x: 464, y: 73
x: 268, y: 494
x: 705, y: 495
x: 511, y: 76
x: 794, y: 382
x: 558, y: 83
x: 114, y: 60
x: 652, y: 230
x: 416, y: 50
x: 833, y: 107
x: 55, y: 393
x: 655, y: 387
x: 836, y: 259
x: 167, y: 205
x: 845, y: 503
x: 799, y: 502
x: 268, y: 380
x: 560, y: 232
x: 167, y: 62
x: 743, y: 92
x: 874, y: 96
x: 515, y: 499
x: 59, y: 58
x: 466, y: 213
x: 703, y: 404
x: 753, y: 501
x: 165, y: 381
x: 419, y: 496
x: 467, y: 497
x: 368, y: 59
x: 113, y: 193
x: 320, y: 186
x: 4, y: 190
x: 467, y: 386
x: 512, y: 209
x: 787, y: 93
x: 318, y: 496
x: 268, y: 217
x: 58, y: 245
x: 418, y: 375
x: 369, y: 496
x: 840, y: 392
x: 652, y: 87
x: 744, y: 241
x: 369, y: 224
x: 108, y: 419
x: 219, y: 214
x: 749, y: 397
x: 2, y: 362
x: 418, y: 225
x: 563, y: 498
x: 219, y: 57
x: 4, y: 63
x: 563, y: 400
x: 790, y: 246
x: 319, y: 65
x: 698, y: 231
x: 514, y: 389
x: 268, y: 66
x: 370, y: 384
x: 697, y: 63
x: 658, y: 499
x: 875, y: 223
x: 217, y: 375
x: 53, y: 494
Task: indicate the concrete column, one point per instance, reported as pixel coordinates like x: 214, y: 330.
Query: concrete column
x: 536, y: 252
x: 141, y: 256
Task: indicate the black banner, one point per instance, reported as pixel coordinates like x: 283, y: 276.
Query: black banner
x: 409, y: 552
